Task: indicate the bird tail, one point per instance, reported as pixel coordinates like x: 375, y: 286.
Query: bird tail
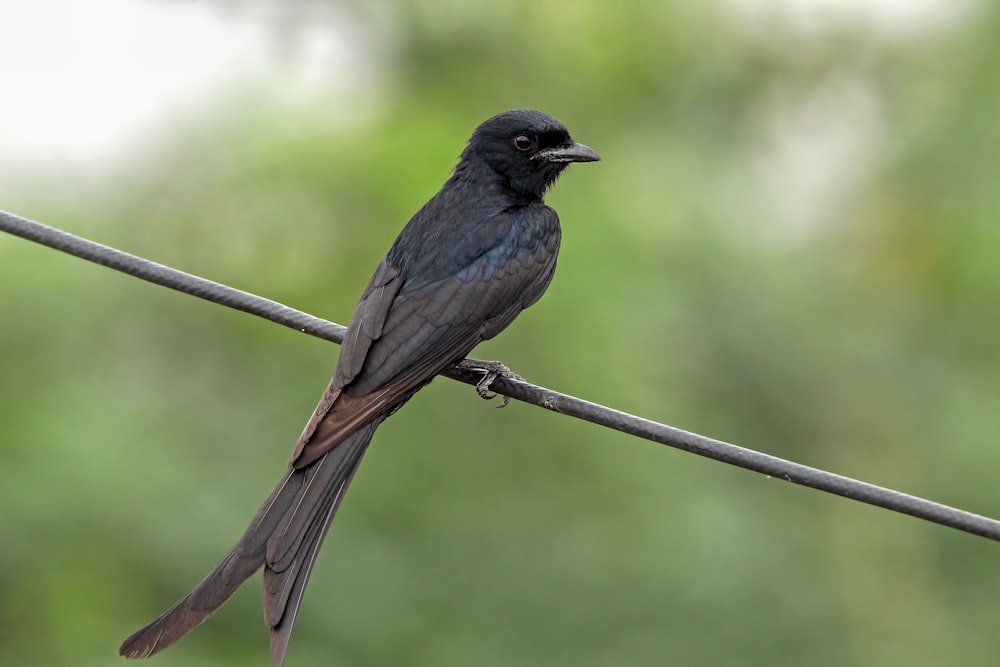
x: 284, y: 537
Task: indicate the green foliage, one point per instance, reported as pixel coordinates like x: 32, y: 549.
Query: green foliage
x: 702, y: 283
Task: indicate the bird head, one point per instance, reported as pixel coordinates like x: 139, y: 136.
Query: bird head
x: 526, y: 149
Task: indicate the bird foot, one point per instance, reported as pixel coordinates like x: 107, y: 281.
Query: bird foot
x: 491, y: 371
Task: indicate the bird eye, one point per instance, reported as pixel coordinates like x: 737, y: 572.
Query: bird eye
x: 522, y: 142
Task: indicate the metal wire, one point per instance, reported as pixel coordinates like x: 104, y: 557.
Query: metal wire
x: 519, y: 390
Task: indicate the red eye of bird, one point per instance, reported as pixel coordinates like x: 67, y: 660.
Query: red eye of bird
x: 522, y: 142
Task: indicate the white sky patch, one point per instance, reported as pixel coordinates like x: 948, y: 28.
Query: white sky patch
x: 891, y: 18
x: 79, y: 79
x: 821, y: 145
x: 818, y: 152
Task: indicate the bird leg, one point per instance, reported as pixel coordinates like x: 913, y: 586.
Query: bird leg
x: 491, y: 371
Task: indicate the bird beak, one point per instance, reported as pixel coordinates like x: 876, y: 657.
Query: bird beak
x: 572, y: 152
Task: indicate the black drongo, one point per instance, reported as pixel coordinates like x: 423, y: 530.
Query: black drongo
x: 478, y: 253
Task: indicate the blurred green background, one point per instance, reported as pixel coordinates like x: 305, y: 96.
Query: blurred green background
x: 791, y: 244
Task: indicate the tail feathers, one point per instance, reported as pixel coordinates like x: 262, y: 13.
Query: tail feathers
x: 292, y: 549
x: 289, y: 527
x: 193, y: 609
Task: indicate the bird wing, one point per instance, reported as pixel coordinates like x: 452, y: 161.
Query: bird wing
x: 405, y: 332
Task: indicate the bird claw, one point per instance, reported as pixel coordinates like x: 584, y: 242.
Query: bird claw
x: 491, y: 371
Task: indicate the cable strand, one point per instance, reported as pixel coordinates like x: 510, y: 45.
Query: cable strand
x: 565, y: 404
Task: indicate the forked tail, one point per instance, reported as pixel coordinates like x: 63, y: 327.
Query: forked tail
x: 284, y: 536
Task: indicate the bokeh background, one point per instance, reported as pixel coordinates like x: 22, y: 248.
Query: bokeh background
x: 792, y: 244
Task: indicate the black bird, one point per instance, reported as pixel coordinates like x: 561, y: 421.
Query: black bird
x: 478, y: 253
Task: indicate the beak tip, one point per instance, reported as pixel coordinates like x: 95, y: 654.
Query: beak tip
x: 575, y: 152
x: 586, y: 154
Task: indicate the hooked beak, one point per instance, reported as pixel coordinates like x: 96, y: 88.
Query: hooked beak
x: 573, y: 152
